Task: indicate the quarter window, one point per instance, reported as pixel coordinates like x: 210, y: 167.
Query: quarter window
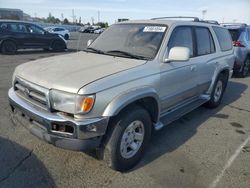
x: 182, y: 37
x: 205, y: 43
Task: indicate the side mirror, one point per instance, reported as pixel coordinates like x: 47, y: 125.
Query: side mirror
x: 89, y: 42
x: 178, y: 54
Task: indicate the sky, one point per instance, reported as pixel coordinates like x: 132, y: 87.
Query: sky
x: 111, y: 10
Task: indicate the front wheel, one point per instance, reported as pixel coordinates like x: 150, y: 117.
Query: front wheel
x: 128, y: 136
x: 218, y: 91
x: 66, y: 37
x: 58, y: 46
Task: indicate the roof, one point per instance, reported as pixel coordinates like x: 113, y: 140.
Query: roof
x: 10, y: 9
x: 167, y: 22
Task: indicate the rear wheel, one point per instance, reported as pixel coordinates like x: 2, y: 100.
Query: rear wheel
x: 218, y: 91
x: 127, y: 138
x: 245, y: 68
x: 9, y: 47
x: 58, y: 46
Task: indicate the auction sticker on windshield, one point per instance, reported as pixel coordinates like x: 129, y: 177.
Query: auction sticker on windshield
x: 154, y: 29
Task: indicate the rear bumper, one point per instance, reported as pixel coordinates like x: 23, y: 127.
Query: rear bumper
x: 87, y: 133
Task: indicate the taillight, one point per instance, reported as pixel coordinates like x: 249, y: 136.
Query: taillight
x: 238, y: 44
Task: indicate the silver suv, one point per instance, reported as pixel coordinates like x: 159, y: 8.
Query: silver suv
x: 136, y: 77
x: 241, y: 41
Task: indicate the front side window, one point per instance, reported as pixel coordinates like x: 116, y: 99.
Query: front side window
x: 224, y: 38
x: 182, y: 37
x: 205, y: 43
x: 35, y: 29
x: 140, y: 40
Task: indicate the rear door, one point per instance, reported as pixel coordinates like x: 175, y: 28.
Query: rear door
x: 206, y: 61
x: 20, y: 33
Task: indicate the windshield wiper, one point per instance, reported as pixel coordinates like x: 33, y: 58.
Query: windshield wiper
x: 94, y: 50
x: 126, y: 54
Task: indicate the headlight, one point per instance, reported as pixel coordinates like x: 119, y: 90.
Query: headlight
x: 71, y: 103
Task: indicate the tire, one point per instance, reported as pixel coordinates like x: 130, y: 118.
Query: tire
x: 9, y: 47
x: 58, y: 46
x: 217, y: 93
x: 121, y: 138
x: 66, y: 37
x: 245, y: 68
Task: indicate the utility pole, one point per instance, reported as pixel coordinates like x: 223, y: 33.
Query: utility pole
x: 92, y: 20
x: 98, y: 16
x: 204, y: 12
x: 62, y: 17
x: 73, y: 15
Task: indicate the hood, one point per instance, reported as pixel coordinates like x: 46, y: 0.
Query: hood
x: 71, y: 72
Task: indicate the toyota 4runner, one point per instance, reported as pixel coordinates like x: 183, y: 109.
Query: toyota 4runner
x: 136, y: 77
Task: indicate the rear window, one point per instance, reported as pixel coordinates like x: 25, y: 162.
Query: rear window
x: 235, y: 34
x: 224, y: 38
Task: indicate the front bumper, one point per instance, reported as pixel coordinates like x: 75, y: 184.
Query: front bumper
x: 87, y: 133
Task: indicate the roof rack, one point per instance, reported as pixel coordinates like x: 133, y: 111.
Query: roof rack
x: 234, y: 24
x: 195, y: 19
x: 210, y: 22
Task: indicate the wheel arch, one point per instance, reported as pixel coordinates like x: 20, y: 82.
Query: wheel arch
x: 144, y: 97
x: 8, y: 39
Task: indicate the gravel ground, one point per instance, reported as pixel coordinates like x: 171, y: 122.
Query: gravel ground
x: 205, y: 148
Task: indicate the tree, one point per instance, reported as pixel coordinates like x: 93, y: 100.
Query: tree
x: 102, y: 24
x: 65, y: 21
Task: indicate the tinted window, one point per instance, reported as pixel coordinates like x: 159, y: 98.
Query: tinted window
x: 235, y: 34
x: 224, y: 38
x: 35, y: 29
x: 181, y: 37
x: 3, y: 26
x: 205, y: 43
x: 16, y: 27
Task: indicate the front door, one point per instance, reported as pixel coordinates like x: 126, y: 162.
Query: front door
x: 179, y: 79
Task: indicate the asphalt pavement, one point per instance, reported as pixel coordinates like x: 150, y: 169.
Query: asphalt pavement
x: 205, y: 148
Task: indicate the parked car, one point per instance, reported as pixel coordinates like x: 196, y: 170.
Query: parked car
x: 59, y: 30
x: 136, y: 77
x: 99, y: 31
x: 16, y: 35
x: 241, y: 41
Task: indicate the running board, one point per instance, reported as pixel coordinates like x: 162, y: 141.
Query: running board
x: 177, y: 112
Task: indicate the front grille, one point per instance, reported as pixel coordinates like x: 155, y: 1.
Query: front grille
x: 32, y: 93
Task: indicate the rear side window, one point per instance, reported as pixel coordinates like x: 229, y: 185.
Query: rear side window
x: 235, y: 34
x: 182, y: 37
x: 205, y: 43
x: 224, y: 38
x: 16, y: 27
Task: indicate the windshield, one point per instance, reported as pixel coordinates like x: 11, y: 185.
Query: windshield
x: 130, y: 40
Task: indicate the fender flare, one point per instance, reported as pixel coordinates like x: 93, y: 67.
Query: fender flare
x: 126, y: 98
